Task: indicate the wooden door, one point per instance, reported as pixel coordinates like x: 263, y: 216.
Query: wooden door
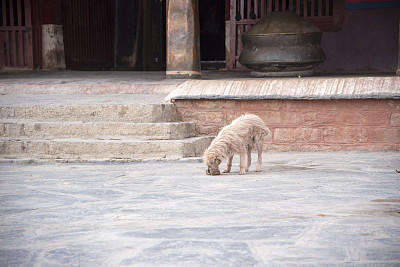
x: 88, y: 28
x: 20, y: 34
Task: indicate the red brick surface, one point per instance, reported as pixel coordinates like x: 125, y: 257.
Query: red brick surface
x: 307, y: 125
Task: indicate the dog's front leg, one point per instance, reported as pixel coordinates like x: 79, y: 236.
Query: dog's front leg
x: 242, y: 162
x: 228, y: 165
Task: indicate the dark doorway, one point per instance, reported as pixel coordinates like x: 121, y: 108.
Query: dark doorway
x: 154, y: 35
x: 140, y: 32
x: 88, y: 28
x: 129, y: 31
x: 114, y: 34
x: 212, y: 33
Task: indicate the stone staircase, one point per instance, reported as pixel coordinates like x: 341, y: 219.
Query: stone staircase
x: 70, y: 131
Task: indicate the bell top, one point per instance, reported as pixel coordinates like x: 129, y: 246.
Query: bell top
x: 282, y: 22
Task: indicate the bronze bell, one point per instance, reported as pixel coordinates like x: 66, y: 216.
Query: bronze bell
x: 282, y: 44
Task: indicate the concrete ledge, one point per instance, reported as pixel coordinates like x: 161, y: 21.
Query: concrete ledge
x: 138, y: 113
x: 15, y: 129
x: 100, y: 88
x: 91, y: 149
x: 318, y: 88
x: 84, y: 82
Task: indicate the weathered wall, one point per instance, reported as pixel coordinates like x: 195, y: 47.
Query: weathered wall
x: 307, y: 125
x: 53, y: 47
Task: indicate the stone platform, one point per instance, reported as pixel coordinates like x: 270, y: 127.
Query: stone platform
x: 346, y: 112
x: 85, y: 82
x: 105, y: 127
x: 212, y: 85
x: 310, y: 88
x: 328, y: 113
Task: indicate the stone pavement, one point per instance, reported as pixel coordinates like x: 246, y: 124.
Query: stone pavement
x: 304, y: 209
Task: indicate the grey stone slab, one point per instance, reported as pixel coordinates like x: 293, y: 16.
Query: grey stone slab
x: 317, y: 88
x: 91, y: 112
x: 83, y: 82
x: 14, y: 129
x: 303, y: 209
x: 92, y: 149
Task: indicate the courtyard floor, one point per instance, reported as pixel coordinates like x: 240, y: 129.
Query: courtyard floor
x: 303, y: 209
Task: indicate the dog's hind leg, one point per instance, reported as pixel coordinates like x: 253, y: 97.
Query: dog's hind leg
x: 228, y: 165
x: 259, y: 146
x: 242, y: 162
x: 248, y: 157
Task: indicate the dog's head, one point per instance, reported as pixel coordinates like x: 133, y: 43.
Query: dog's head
x: 213, y: 163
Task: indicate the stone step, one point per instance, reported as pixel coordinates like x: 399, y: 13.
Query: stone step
x: 96, y: 130
x: 138, y: 113
x: 83, y: 150
x: 95, y: 127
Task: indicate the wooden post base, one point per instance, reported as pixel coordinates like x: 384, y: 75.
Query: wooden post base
x: 183, y: 39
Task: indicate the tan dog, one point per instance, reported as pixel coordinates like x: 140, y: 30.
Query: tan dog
x: 240, y: 136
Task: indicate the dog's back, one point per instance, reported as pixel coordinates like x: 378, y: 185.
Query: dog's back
x: 242, y: 132
x: 251, y: 125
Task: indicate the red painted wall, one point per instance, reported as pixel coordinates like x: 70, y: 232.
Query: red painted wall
x: 51, y: 12
x: 307, y: 125
x: 368, y: 42
x: 369, y: 1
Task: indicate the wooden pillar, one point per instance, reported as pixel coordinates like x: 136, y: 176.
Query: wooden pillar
x: 183, y: 39
x: 398, y: 54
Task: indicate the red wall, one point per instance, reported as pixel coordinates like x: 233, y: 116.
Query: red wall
x: 51, y: 11
x: 368, y: 42
x: 306, y: 125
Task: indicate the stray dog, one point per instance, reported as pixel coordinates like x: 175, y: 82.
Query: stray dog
x: 240, y: 136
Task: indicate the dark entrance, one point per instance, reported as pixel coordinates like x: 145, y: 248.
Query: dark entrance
x: 114, y: 34
x: 212, y: 33
x: 141, y: 35
x: 88, y: 28
x: 131, y: 35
